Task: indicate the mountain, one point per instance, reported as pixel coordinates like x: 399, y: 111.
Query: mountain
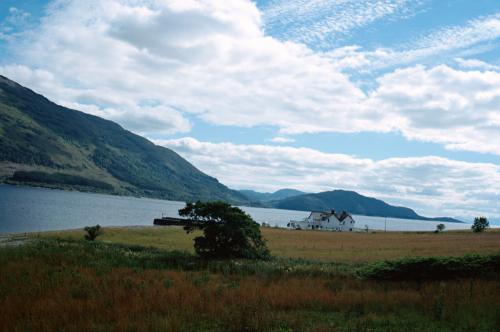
x: 352, y: 202
x: 256, y: 196
x: 42, y: 143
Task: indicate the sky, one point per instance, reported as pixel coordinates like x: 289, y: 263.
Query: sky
x: 395, y: 99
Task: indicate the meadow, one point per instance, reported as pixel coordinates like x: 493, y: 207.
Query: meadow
x: 316, y: 245
x: 148, y: 279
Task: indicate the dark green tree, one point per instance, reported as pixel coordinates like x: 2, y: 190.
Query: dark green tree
x: 440, y: 228
x: 92, y: 232
x: 480, y: 224
x: 228, y: 232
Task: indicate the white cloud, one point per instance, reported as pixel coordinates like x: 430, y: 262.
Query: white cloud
x: 110, y: 54
x: 476, y: 64
x: 432, y: 185
x: 476, y: 36
x: 320, y: 23
x: 280, y: 139
x: 17, y: 16
x: 459, y: 109
x: 16, y: 20
x: 146, y: 64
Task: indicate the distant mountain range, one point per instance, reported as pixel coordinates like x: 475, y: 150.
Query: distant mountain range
x: 338, y: 200
x: 44, y: 144
x: 255, y: 196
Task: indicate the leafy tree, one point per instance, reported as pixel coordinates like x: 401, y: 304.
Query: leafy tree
x: 92, y: 232
x: 440, y: 228
x: 228, y: 232
x: 480, y: 224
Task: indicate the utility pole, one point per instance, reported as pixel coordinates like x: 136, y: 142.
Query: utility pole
x: 385, y: 224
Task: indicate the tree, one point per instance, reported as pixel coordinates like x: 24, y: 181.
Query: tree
x: 92, y: 232
x: 228, y: 232
x: 480, y: 224
x: 440, y: 228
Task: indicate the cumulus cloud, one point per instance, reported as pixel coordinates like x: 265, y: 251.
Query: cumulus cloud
x: 150, y: 65
x: 456, y: 108
x: 432, y: 185
x: 111, y: 54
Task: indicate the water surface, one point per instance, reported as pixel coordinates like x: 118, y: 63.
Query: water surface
x: 27, y: 209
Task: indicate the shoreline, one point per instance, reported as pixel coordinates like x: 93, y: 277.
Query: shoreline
x: 4, y: 237
x: 118, y: 195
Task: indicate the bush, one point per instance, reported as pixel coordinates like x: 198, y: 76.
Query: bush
x: 439, y: 228
x: 228, y: 232
x: 92, y: 232
x: 480, y: 224
x: 432, y: 268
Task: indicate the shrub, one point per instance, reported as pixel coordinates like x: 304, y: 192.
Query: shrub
x: 480, y: 224
x: 228, y: 232
x: 432, y: 268
x: 440, y: 228
x: 92, y: 232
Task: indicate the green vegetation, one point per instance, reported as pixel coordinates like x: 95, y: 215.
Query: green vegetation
x: 316, y: 245
x: 434, y: 268
x: 255, y: 196
x: 440, y: 228
x: 59, y: 178
x: 72, y: 148
x: 228, y: 232
x: 73, y: 285
x: 480, y: 224
x: 92, y: 232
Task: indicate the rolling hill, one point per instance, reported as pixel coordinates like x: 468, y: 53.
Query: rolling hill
x: 46, y: 144
x: 256, y: 196
x: 353, y: 203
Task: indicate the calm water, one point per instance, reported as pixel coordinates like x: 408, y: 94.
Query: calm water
x: 25, y: 209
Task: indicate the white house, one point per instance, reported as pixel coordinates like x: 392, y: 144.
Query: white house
x: 330, y: 221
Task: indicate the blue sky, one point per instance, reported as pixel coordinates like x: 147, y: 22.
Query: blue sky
x: 397, y: 99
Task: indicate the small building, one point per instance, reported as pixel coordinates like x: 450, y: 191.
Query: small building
x: 330, y: 221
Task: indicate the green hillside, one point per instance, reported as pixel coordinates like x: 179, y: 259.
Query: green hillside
x: 352, y: 202
x: 256, y: 196
x: 46, y: 144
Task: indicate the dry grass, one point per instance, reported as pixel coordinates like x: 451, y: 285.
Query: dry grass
x: 325, y: 246
x: 40, y: 296
x: 59, y: 285
x: 356, y: 247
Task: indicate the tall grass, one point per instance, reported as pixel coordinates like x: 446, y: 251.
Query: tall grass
x: 56, y: 285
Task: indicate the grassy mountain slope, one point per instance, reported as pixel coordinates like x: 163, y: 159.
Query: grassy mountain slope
x: 49, y: 144
x: 352, y: 202
x: 256, y: 196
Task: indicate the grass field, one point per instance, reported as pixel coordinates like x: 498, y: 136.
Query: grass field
x: 132, y: 279
x: 325, y: 246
